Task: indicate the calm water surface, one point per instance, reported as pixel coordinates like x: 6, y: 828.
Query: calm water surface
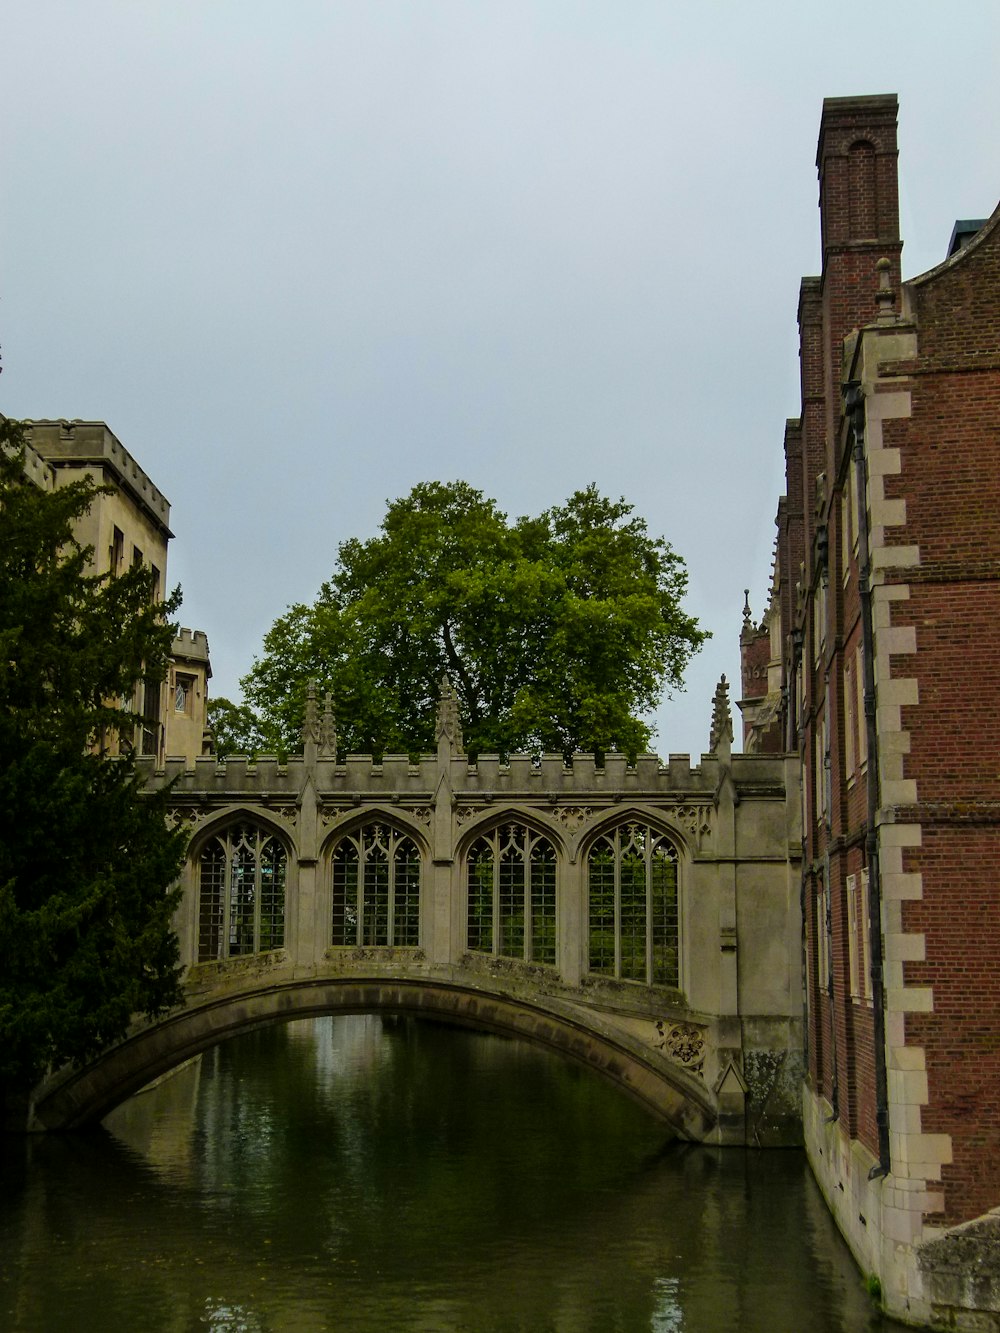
x: 359, y: 1174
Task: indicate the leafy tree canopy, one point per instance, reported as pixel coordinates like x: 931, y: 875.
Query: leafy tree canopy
x: 86, y: 859
x: 558, y: 632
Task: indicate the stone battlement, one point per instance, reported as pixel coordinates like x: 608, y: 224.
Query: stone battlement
x: 79, y: 443
x: 487, y: 776
x: 190, y: 644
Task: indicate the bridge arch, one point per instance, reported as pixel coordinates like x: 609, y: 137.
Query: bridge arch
x: 76, y: 1098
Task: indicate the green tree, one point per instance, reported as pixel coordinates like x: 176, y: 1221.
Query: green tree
x: 86, y: 857
x: 236, y: 729
x: 558, y: 632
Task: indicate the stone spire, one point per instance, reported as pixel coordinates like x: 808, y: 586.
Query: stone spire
x: 449, y: 723
x: 310, y: 723
x: 327, y: 730
x: 722, y: 721
x: 748, y: 629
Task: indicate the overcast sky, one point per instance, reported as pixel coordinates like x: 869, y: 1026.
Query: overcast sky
x: 301, y: 255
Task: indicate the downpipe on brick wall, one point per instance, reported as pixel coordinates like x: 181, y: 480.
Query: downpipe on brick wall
x: 827, y: 778
x: 823, y: 814
x: 795, y: 742
x: 854, y: 401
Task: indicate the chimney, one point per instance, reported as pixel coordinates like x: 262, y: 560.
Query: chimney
x: 859, y: 223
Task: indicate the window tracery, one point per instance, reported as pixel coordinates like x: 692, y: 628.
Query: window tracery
x: 634, y: 918
x: 241, y: 905
x: 511, y: 879
x: 376, y: 888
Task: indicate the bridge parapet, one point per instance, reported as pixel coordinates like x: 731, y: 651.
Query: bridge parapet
x: 520, y: 772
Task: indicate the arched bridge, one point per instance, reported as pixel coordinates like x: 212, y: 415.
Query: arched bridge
x: 641, y: 919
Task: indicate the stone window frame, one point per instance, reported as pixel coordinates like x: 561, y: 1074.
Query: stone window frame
x: 242, y: 878
x: 369, y: 909
x: 184, y: 703
x: 535, y: 940
x: 658, y: 969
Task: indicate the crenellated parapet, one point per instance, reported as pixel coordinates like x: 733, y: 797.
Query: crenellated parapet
x: 528, y: 776
x: 571, y: 796
x: 191, y: 645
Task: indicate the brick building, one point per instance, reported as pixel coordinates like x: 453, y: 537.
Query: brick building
x: 881, y: 640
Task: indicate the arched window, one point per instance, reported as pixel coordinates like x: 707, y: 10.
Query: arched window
x: 376, y: 888
x: 512, y: 894
x: 241, y: 902
x: 633, y: 912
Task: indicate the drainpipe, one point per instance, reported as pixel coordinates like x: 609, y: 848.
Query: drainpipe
x: 828, y: 923
x: 855, y: 404
x: 794, y: 742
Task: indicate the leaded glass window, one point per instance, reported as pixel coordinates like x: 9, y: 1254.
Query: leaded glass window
x: 634, y: 930
x: 241, y: 900
x: 512, y: 894
x: 376, y: 888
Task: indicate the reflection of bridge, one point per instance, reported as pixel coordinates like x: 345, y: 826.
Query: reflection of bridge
x: 641, y: 919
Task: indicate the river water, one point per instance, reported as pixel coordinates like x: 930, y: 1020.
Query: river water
x: 358, y: 1174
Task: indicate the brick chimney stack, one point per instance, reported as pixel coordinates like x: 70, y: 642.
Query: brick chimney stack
x: 859, y: 224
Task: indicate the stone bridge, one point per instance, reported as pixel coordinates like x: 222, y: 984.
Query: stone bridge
x: 642, y: 918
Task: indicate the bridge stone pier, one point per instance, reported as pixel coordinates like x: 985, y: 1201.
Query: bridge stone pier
x: 642, y: 919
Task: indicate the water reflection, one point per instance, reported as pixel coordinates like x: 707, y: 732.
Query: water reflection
x: 356, y: 1174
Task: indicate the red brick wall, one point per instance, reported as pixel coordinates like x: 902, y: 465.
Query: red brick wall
x: 950, y: 479
x: 859, y: 224
x: 960, y: 918
x: 755, y: 654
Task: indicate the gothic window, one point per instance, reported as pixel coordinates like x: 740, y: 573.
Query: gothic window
x: 512, y: 894
x: 183, y: 693
x: 376, y: 888
x: 634, y: 922
x: 241, y: 905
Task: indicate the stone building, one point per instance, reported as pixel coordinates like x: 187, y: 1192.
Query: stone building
x: 883, y: 615
x: 127, y: 526
x: 641, y: 918
x: 185, y: 721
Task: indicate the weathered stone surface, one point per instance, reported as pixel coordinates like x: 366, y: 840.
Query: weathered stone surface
x: 960, y: 1272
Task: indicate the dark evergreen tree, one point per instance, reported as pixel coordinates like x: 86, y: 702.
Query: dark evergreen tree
x: 87, y: 860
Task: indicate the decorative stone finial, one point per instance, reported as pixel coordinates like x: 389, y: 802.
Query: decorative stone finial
x: 310, y: 723
x: 449, y: 723
x: 722, y: 718
x: 327, y: 729
x: 885, y: 297
x: 747, y: 618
